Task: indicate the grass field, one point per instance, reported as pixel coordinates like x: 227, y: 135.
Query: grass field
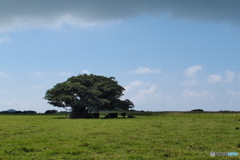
x: 153, y: 136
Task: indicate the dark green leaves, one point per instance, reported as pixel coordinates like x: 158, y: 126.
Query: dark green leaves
x: 88, y: 91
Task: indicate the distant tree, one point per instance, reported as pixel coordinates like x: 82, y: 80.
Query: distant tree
x: 50, y: 111
x: 84, y: 91
x: 30, y: 112
x: 197, y: 110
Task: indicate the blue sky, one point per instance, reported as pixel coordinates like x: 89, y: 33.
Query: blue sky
x: 168, y: 55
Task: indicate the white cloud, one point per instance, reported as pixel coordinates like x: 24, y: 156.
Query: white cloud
x: 4, y: 74
x: 234, y: 99
x: 8, y: 104
x: 3, y: 91
x: 15, y: 14
x: 39, y: 73
x: 38, y: 87
x: 193, y: 99
x: 230, y: 76
x: 142, y: 93
x: 5, y: 39
x: 148, y: 95
x: 85, y: 71
x: 20, y: 105
x: 145, y: 70
x: 196, y: 94
x: 191, y: 82
x: 234, y: 93
x: 132, y: 85
x: 191, y: 72
x: 64, y: 73
x: 214, y: 78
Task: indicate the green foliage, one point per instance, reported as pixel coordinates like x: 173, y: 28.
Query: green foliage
x: 163, y: 136
x: 84, y: 91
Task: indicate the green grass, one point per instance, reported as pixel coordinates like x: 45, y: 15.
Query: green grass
x: 159, y: 136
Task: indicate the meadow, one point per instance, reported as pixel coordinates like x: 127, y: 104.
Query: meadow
x: 149, y: 136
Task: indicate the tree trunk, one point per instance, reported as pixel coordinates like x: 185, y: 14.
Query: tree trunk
x: 78, y: 112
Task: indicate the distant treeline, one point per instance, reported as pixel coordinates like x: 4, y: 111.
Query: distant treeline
x: 18, y: 112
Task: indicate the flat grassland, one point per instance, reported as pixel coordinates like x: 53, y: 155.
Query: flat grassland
x: 154, y: 136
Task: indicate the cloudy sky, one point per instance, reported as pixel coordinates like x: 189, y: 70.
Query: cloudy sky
x: 169, y: 55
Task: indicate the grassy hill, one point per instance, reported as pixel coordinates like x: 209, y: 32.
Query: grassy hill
x: 165, y: 135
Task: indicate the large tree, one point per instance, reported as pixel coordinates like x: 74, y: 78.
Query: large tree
x: 87, y: 91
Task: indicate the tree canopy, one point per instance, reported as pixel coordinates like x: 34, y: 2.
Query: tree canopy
x: 87, y: 91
